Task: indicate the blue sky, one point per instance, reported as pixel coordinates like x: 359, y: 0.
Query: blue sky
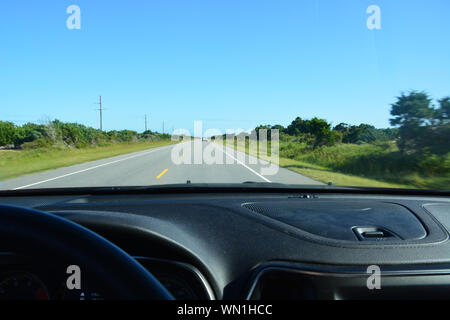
x: 233, y: 64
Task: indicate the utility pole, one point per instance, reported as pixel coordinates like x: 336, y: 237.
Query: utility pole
x: 101, y: 114
x: 163, y: 127
x: 145, y: 122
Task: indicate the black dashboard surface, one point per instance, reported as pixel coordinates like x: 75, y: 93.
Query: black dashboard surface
x: 231, y: 238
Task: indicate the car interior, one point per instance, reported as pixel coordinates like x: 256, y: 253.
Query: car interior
x: 225, y: 242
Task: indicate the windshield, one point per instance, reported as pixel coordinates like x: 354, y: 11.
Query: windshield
x: 140, y: 93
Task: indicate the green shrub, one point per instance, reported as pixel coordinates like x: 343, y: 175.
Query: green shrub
x: 127, y: 135
x: 7, y: 131
x: 39, y: 143
x: 29, y: 132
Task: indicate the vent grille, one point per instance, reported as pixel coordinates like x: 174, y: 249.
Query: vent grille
x: 267, y: 211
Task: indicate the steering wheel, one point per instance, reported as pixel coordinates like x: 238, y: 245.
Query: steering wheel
x: 40, y: 234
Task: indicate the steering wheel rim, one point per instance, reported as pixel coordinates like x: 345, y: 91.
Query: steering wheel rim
x: 37, y: 233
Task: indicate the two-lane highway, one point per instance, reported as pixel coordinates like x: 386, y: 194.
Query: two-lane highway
x: 155, y: 166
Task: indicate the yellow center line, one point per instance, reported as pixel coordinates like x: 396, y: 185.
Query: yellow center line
x: 161, y: 174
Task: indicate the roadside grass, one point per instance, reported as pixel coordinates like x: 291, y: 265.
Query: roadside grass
x: 326, y: 175
x: 15, y: 163
x: 382, y: 162
x: 366, y: 165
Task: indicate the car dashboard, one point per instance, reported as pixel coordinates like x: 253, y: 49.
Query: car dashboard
x: 253, y: 246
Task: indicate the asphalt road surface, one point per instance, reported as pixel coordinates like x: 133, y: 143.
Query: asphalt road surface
x: 155, y: 166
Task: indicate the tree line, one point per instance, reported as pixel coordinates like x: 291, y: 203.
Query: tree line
x: 419, y: 127
x: 31, y: 135
x: 318, y: 132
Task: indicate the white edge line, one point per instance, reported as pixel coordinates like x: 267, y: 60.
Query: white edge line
x: 241, y: 163
x: 87, y: 169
